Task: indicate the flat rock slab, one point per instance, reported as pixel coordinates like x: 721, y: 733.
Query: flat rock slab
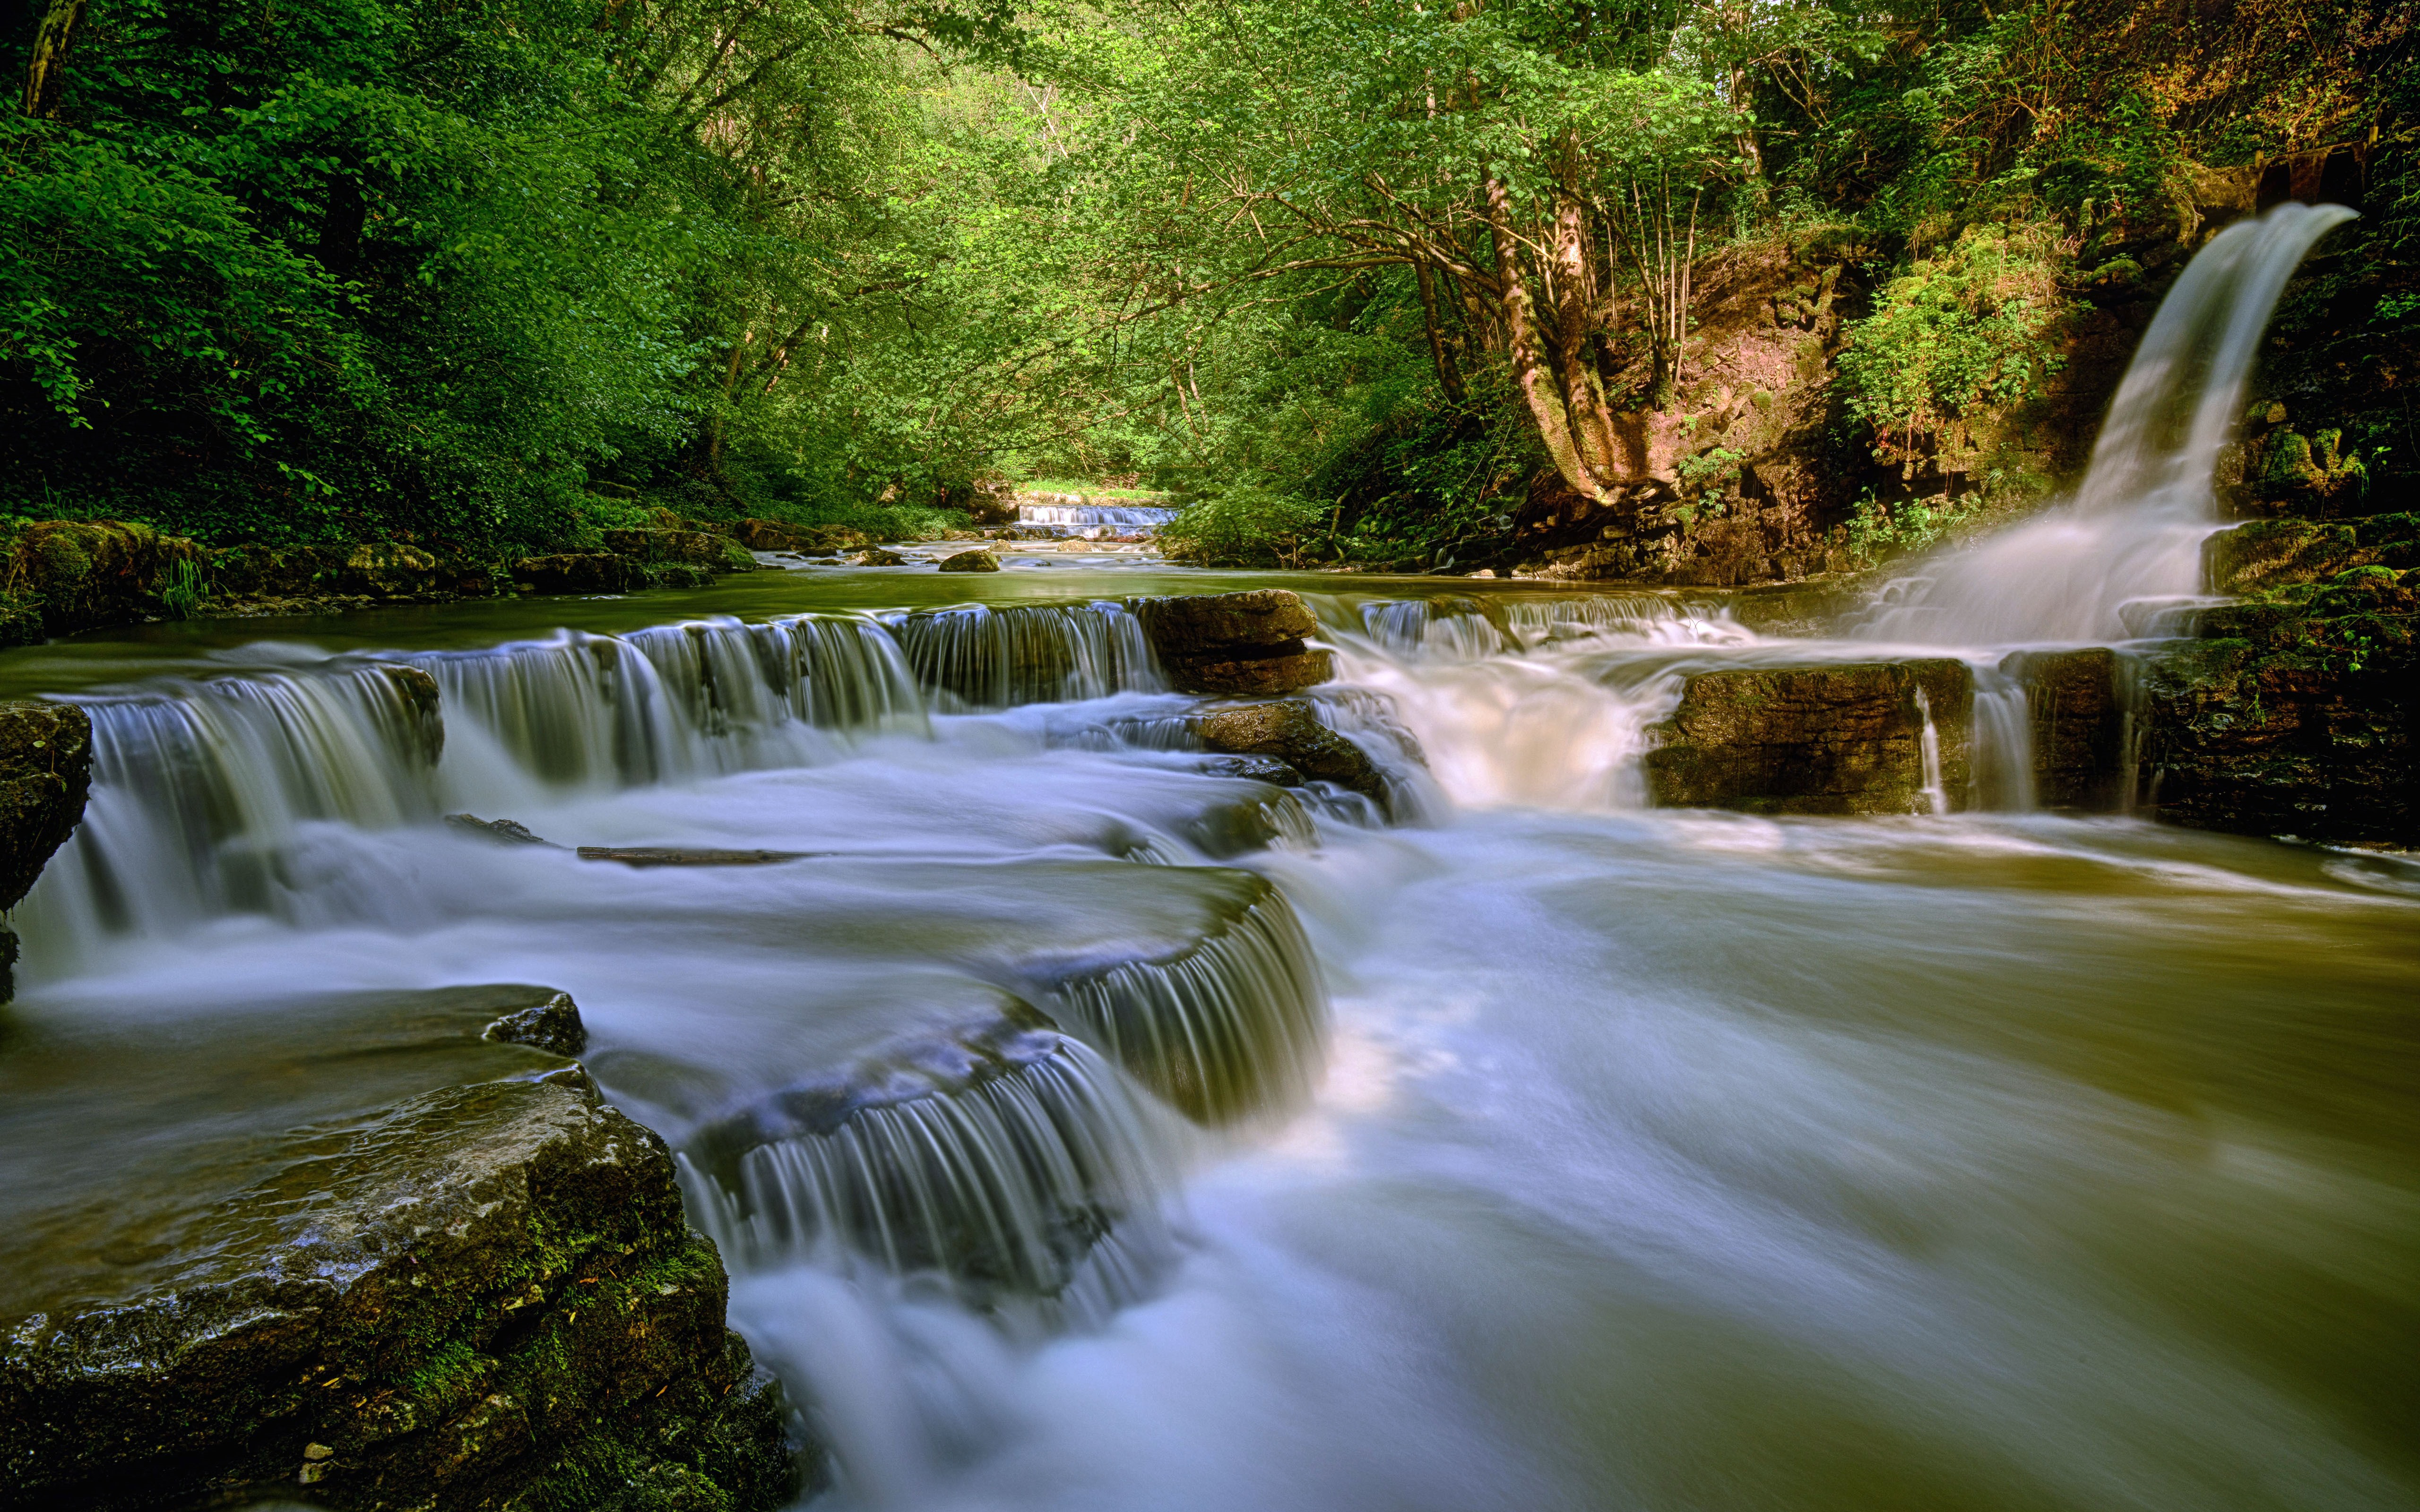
x: 1246, y: 644
x: 1287, y: 731
x: 1831, y: 739
x: 346, y: 1242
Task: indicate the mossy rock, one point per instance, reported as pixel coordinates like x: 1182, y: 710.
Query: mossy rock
x: 347, y: 1245
x: 1835, y: 738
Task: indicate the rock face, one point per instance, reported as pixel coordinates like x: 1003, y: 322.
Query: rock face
x: 1249, y: 644
x: 2294, y: 714
x: 2079, y: 726
x: 697, y: 549
x: 577, y: 572
x: 484, y: 1295
x: 1832, y: 739
x: 971, y: 561
x: 1288, y: 732
x: 45, y: 773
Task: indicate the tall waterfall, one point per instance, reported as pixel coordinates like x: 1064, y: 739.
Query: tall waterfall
x: 2134, y: 529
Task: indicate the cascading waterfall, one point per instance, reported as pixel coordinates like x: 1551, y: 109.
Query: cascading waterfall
x: 1233, y: 1028
x: 1068, y: 519
x: 990, y: 658
x: 1011, y: 1162
x: 2134, y: 531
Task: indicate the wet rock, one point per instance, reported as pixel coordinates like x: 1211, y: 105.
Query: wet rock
x: 553, y: 1025
x: 1839, y: 738
x: 971, y: 561
x: 501, y: 832
x: 647, y: 856
x: 1257, y: 768
x: 45, y: 773
x: 577, y: 572
x: 2079, y: 726
x: 484, y: 1294
x: 1247, y: 644
x: 1288, y: 732
x: 679, y: 575
x: 2294, y: 715
x: 874, y: 556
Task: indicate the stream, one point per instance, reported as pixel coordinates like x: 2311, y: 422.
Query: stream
x: 1531, y: 1148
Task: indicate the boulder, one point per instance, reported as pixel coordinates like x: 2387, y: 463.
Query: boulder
x: 1246, y: 644
x: 971, y: 561
x: 768, y: 535
x: 577, y: 572
x: 553, y: 1025
x: 874, y: 556
x: 79, y: 574
x: 1838, y: 738
x: 2079, y: 726
x: 45, y: 773
x: 1288, y: 732
x: 353, y: 1252
x: 386, y: 570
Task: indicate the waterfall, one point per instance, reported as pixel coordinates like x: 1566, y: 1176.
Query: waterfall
x: 991, y: 659
x: 1069, y: 519
x: 1009, y: 1160
x: 1233, y: 1026
x: 2133, y: 530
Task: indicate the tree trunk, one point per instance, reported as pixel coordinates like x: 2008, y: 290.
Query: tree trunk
x: 1449, y: 378
x: 46, y: 74
x: 1583, y: 399
x: 1545, y: 405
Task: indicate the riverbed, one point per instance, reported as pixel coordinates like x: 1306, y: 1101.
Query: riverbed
x: 1641, y: 1158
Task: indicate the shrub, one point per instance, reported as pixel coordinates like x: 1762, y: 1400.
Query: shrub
x: 1243, y: 525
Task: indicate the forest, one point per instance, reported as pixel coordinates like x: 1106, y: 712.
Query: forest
x: 1367, y: 280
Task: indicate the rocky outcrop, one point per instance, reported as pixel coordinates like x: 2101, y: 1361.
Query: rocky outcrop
x: 45, y: 773
x: 1249, y: 644
x: 1288, y: 732
x: 2276, y: 553
x: 691, y: 548
x: 1828, y: 739
x: 577, y: 572
x: 482, y: 1295
x: 2078, y: 724
x: 2293, y: 712
x: 72, y: 575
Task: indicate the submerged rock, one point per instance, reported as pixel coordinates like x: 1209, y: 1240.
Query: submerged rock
x: 971, y: 561
x: 645, y: 856
x: 501, y: 832
x: 480, y: 1293
x: 1246, y: 644
x: 1836, y: 738
x: 1288, y: 732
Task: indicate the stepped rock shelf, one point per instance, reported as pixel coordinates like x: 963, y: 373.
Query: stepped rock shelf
x: 368, y: 1244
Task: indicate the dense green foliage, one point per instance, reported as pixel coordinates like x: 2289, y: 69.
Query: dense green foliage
x: 496, y: 273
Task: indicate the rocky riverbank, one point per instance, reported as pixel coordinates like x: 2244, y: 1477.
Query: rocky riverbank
x: 372, y: 1250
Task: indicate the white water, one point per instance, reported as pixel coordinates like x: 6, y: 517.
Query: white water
x: 1551, y: 1152
x: 2134, y: 531
x: 1095, y: 520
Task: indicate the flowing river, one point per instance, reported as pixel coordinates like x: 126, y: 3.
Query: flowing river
x: 1529, y: 1148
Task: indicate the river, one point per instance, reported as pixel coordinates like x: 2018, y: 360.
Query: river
x: 1526, y: 1147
